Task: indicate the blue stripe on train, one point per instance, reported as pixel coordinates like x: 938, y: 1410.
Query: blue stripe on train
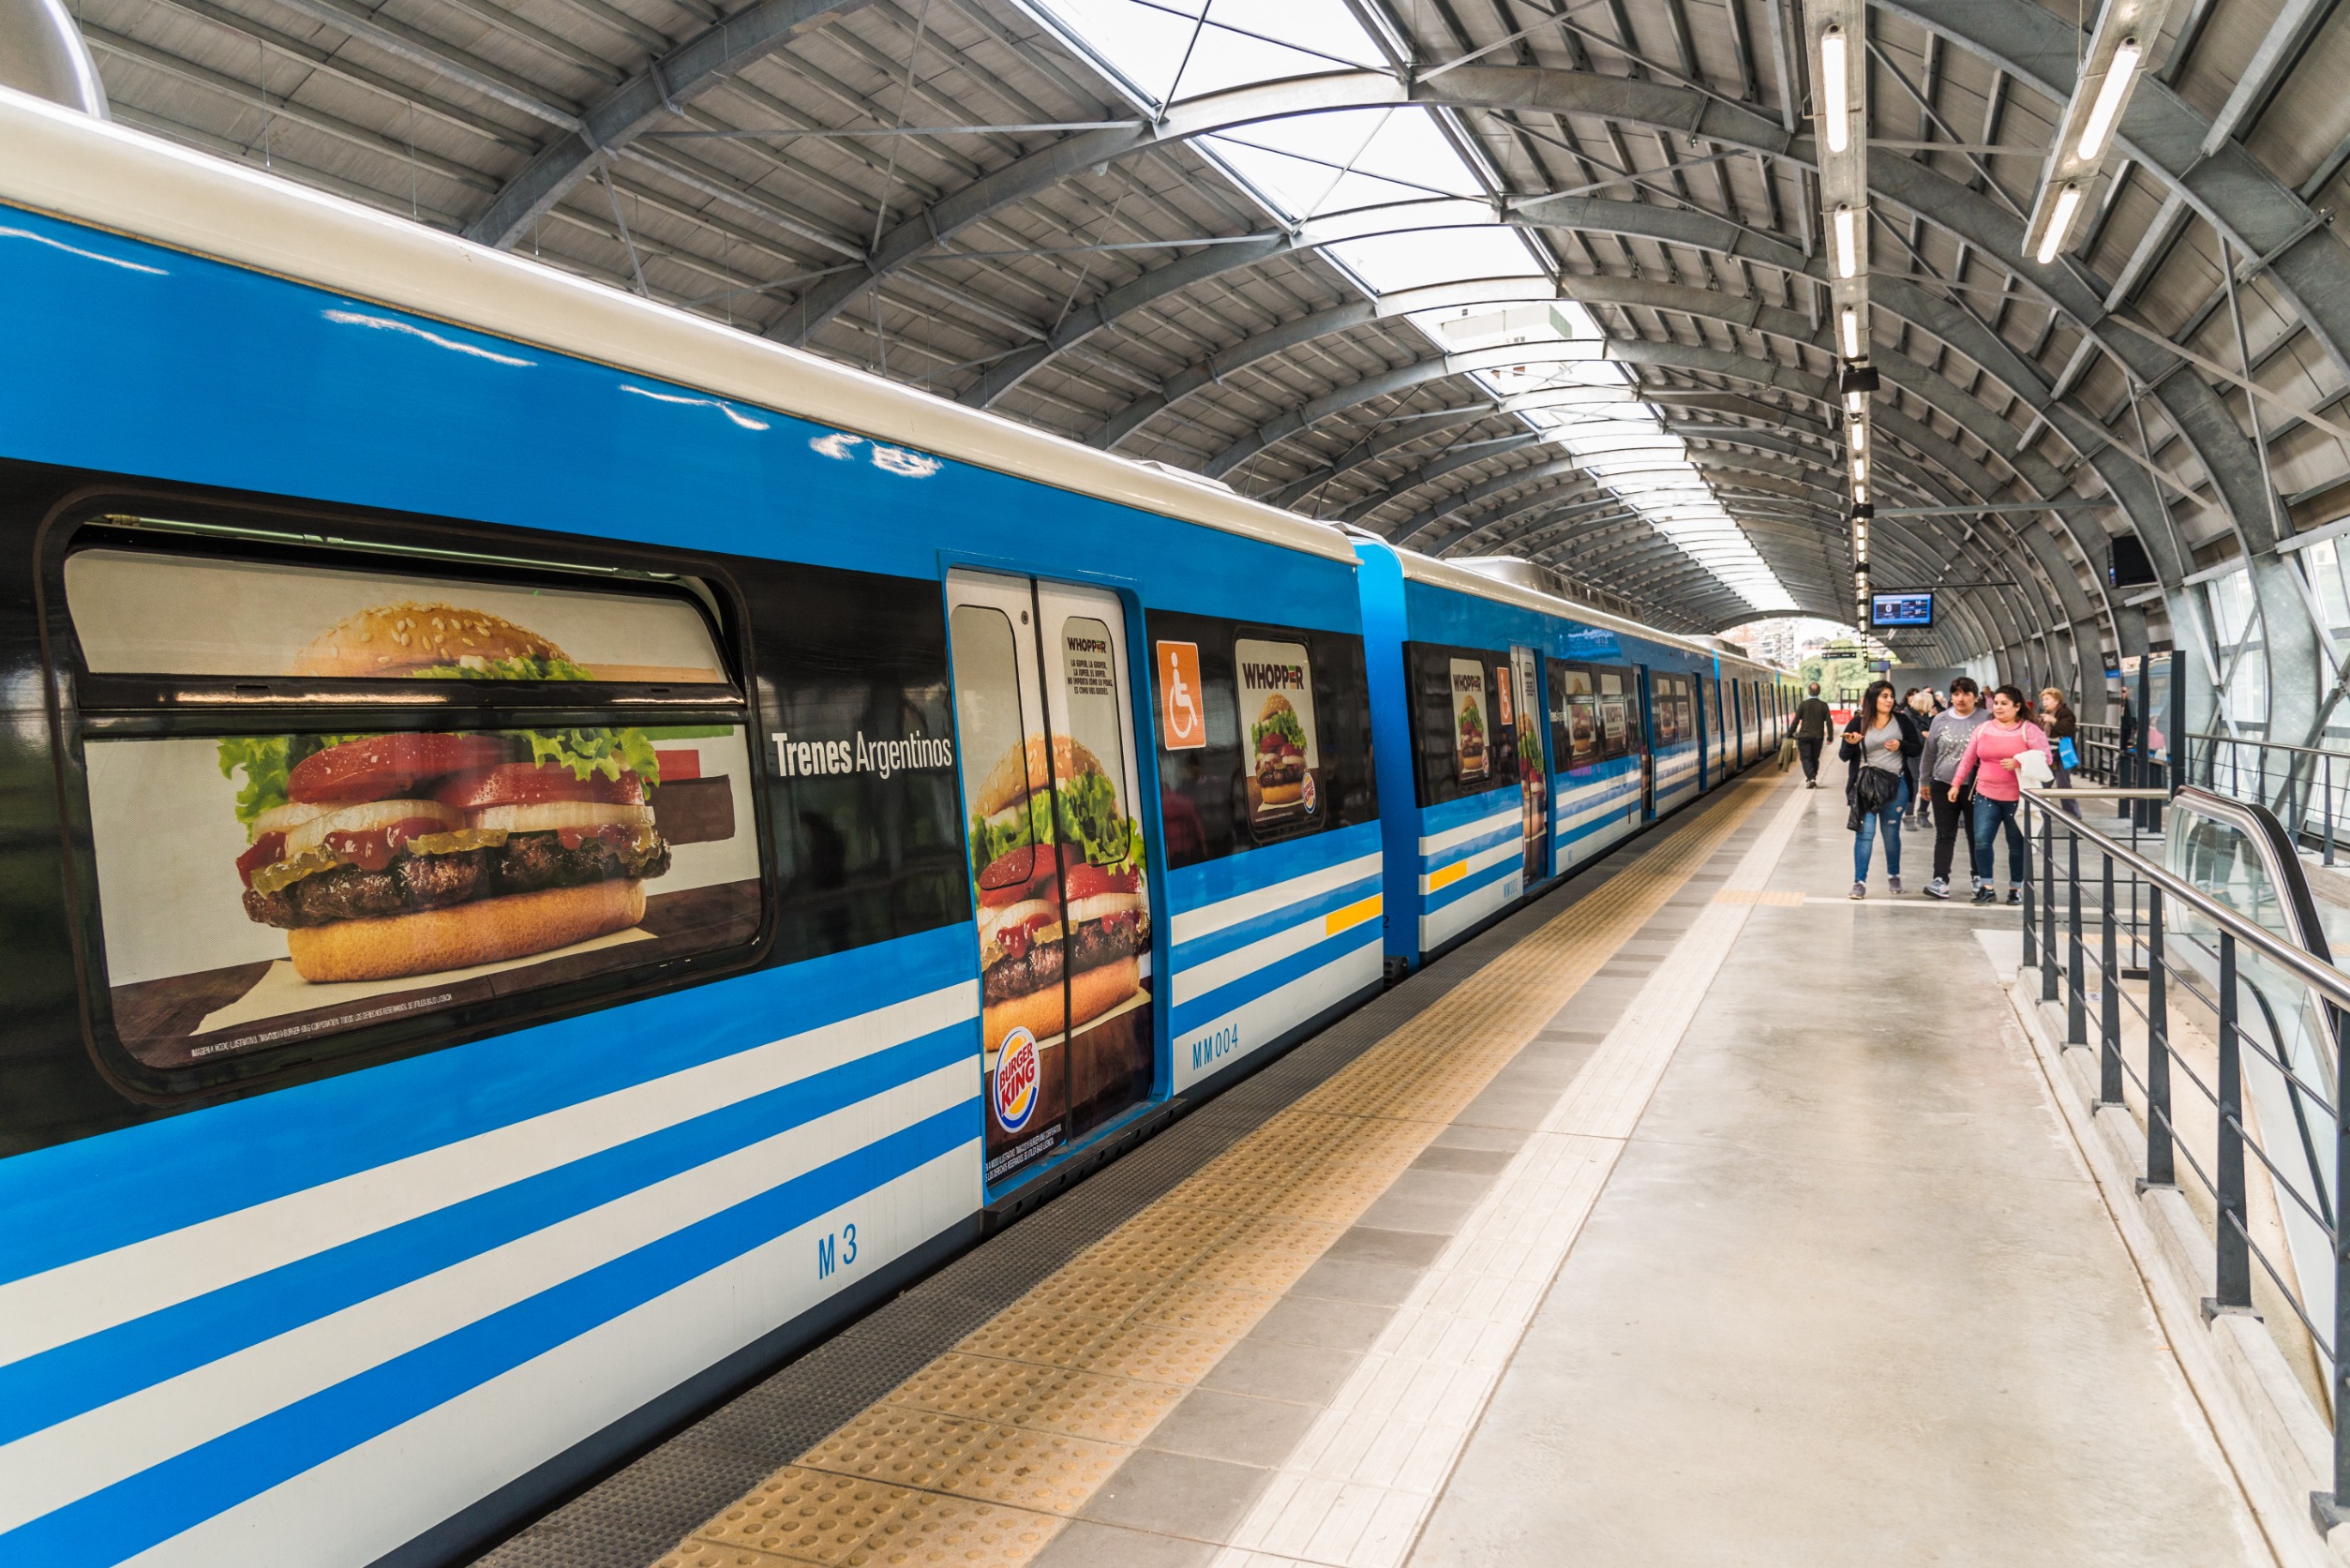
x: 81, y: 1198
x: 121, y: 1520
x: 1213, y: 881
x: 1454, y: 892
x: 1248, y: 987
x: 1273, y: 921
x: 1456, y: 814
x: 87, y: 1373
x: 1438, y: 860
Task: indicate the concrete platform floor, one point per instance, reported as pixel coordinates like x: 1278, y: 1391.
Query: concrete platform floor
x: 1836, y: 1290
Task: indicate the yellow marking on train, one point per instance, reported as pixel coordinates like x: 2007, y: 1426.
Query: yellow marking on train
x: 1351, y: 916
x: 1448, y: 877
x: 983, y: 1455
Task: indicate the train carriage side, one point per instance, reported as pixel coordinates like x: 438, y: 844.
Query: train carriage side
x: 1519, y: 736
x: 504, y: 948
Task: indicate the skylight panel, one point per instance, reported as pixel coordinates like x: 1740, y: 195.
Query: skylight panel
x: 1389, y: 199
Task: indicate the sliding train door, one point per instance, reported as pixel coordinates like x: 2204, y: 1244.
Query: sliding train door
x: 1043, y: 712
x: 1534, y: 773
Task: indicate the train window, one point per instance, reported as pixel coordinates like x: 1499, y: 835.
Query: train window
x: 1574, y: 725
x: 1464, y: 738
x: 338, y: 795
x: 1627, y: 682
x: 867, y: 841
x: 1282, y: 745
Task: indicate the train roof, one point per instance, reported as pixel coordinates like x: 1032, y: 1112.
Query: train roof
x: 1443, y: 573
x: 107, y: 176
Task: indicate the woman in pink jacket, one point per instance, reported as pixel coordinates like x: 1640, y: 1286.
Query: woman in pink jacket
x: 1996, y: 750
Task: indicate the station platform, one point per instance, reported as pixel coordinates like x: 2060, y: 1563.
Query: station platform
x: 1695, y: 1214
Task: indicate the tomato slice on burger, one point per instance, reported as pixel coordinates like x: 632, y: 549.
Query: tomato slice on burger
x: 1090, y: 881
x: 524, y: 783
x: 384, y: 766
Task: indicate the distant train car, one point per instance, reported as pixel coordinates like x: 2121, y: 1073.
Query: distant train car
x: 556, y: 851
x: 1520, y: 736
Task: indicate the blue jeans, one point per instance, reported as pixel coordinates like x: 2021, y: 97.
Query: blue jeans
x: 1886, y: 821
x: 1990, y: 815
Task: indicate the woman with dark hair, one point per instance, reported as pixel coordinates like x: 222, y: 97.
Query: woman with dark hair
x: 1882, y: 747
x: 1996, y: 752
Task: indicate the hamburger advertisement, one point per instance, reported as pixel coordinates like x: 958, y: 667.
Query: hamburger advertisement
x: 1061, y: 891
x: 1468, y: 720
x: 1280, y: 765
x: 257, y: 889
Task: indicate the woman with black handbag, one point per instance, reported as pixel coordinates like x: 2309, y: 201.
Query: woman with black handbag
x: 1882, y: 749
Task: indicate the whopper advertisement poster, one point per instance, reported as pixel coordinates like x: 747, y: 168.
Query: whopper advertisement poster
x: 1276, y: 704
x: 262, y: 889
x: 1470, y: 759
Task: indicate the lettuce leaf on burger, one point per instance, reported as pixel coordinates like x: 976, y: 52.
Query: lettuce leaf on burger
x: 1060, y: 869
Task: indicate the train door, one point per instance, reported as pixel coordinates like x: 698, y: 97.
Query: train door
x: 1534, y: 773
x: 1644, y: 703
x: 1043, y: 712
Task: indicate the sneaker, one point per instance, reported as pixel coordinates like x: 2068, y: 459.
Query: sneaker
x: 1811, y: 784
x: 2014, y: 895
x: 1859, y: 889
x: 1938, y: 888
x: 1892, y: 886
x: 1984, y: 895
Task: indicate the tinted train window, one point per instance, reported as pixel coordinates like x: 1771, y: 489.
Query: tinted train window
x: 1264, y: 734
x: 867, y: 822
x: 330, y: 794
x: 1464, y: 741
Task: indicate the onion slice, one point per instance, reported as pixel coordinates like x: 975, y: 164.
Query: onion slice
x: 548, y: 816
x: 370, y: 816
x: 285, y: 819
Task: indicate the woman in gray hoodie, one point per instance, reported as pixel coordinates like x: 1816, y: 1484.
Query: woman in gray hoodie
x: 1945, y: 743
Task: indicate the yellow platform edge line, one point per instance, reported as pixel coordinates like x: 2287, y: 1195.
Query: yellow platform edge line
x: 982, y: 1456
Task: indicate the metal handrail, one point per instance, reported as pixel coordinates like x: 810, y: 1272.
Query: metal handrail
x: 2274, y: 745
x: 2313, y: 1110
x: 2317, y: 974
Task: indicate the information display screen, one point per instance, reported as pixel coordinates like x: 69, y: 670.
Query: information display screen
x: 1900, y: 610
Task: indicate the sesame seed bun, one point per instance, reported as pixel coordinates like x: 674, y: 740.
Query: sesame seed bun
x: 1035, y: 766
x: 397, y: 640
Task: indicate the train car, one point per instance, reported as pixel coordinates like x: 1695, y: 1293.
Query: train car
x: 555, y: 850
x: 1519, y: 736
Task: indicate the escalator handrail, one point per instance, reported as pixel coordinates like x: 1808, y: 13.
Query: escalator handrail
x: 2277, y: 855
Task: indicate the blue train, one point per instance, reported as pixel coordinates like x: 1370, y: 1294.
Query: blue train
x: 554, y: 850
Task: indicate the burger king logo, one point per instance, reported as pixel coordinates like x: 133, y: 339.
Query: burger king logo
x: 1015, y: 1095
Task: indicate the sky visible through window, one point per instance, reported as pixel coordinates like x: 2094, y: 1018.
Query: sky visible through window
x: 1411, y: 211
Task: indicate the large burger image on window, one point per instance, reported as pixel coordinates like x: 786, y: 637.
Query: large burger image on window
x: 1060, y: 869
x: 1280, y: 743
x: 387, y: 856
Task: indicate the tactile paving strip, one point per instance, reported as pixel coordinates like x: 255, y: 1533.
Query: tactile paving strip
x: 980, y: 1456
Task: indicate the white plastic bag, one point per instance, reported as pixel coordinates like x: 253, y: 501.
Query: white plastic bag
x: 2032, y: 769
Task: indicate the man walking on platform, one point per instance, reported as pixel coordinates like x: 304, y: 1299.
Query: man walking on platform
x: 1812, y: 720
x: 1945, y: 743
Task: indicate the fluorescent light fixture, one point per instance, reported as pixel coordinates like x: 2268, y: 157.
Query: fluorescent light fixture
x: 2059, y: 220
x: 2108, y: 109
x: 1838, y: 110
x: 1848, y: 243
x: 1860, y: 467
x: 1858, y: 435
x: 1855, y: 402
x: 1860, y: 495
x: 1849, y: 319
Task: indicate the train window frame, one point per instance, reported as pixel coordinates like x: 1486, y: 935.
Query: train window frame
x: 85, y: 705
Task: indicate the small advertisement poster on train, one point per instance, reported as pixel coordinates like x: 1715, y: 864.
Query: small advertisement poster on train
x: 263, y: 890
x: 1276, y: 699
x: 1470, y: 758
x: 1579, y: 712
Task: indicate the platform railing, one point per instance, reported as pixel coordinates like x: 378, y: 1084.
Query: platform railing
x: 2308, y: 787
x: 2100, y: 752
x: 2098, y: 914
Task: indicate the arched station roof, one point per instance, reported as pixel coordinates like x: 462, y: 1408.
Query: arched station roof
x: 1483, y: 276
